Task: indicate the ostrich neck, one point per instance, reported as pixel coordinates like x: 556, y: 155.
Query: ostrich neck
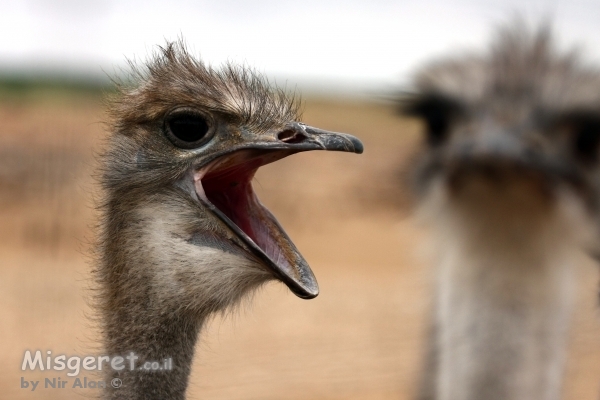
x: 501, y: 326
x: 168, y: 340
x: 144, y: 311
x: 162, y: 273
x: 503, y: 304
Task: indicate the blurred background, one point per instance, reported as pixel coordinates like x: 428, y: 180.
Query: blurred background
x: 362, y: 337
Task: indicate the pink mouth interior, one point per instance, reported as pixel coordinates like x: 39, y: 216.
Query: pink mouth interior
x: 231, y: 192
x: 227, y: 185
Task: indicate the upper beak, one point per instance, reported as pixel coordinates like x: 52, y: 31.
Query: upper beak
x: 305, y: 137
x: 493, y: 146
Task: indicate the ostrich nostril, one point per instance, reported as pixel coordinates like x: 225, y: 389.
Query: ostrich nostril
x: 291, y: 136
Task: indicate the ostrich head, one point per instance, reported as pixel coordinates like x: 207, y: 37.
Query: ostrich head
x: 183, y: 233
x: 520, y: 114
x: 510, y: 182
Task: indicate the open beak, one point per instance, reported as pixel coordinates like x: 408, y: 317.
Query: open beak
x: 224, y: 186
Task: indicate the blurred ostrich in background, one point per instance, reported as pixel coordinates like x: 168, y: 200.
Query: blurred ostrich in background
x: 509, y: 182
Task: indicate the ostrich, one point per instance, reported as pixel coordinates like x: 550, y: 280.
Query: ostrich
x: 508, y: 181
x: 182, y: 233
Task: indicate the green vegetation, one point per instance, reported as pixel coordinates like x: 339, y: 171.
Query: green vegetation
x: 22, y: 87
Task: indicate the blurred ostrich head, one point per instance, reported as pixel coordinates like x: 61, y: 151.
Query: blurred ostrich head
x: 509, y: 179
x: 520, y: 111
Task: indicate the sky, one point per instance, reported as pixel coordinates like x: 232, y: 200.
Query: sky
x: 353, y: 44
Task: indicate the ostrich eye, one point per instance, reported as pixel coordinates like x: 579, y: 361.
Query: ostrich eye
x: 587, y: 140
x: 585, y: 132
x: 437, y: 121
x: 187, y: 130
x: 438, y: 112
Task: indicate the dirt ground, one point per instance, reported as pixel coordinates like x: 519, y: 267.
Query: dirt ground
x: 350, y: 216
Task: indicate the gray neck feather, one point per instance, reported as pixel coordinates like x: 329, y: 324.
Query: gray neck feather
x: 152, y: 338
x: 504, y: 300
x: 164, y: 269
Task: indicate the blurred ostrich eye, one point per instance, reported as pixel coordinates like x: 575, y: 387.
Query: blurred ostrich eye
x: 187, y: 130
x: 584, y: 130
x: 587, y: 141
x: 438, y: 112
